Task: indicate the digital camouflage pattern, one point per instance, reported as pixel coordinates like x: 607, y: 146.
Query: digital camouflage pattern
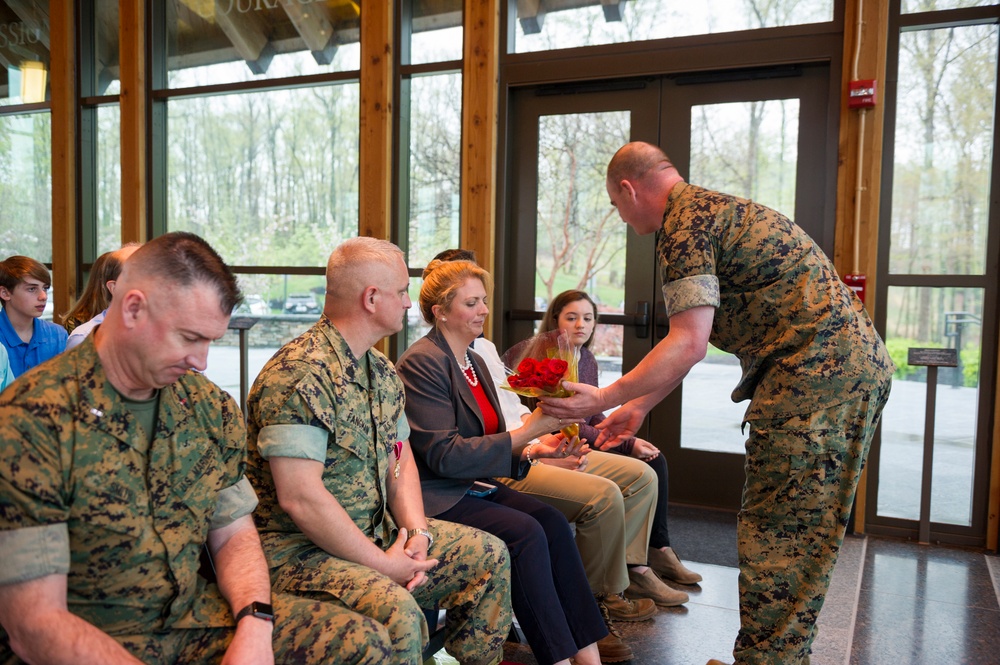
x: 803, y: 338
x: 316, y: 381
x: 802, y: 473
x: 817, y: 375
x: 75, y: 470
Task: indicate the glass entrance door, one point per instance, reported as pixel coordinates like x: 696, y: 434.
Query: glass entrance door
x: 741, y: 135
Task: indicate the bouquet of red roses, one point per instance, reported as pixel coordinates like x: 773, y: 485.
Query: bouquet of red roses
x: 543, y: 362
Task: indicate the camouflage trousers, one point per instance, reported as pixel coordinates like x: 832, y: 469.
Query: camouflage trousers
x: 471, y: 582
x: 801, y: 477
x: 306, y: 632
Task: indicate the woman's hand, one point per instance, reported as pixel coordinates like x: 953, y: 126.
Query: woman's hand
x: 557, y: 447
x: 537, y: 424
x: 644, y: 450
x: 572, y: 462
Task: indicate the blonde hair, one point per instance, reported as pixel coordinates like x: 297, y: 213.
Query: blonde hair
x: 442, y: 279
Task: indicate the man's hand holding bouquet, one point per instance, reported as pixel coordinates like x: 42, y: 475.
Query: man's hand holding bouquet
x: 540, y: 365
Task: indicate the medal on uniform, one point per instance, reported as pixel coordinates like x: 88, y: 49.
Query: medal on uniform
x: 397, y: 450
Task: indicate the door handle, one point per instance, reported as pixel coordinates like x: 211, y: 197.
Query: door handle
x: 640, y: 319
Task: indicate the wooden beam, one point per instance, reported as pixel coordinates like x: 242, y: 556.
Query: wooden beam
x: 247, y: 33
x: 375, y: 168
x: 65, y: 157
x: 314, y: 28
x: 134, y: 123
x: 531, y: 14
x: 860, y: 161
x: 479, y: 127
x: 612, y: 10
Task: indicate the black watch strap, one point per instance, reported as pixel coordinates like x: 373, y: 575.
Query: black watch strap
x: 256, y: 609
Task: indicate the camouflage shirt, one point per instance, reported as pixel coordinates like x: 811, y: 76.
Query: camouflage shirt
x: 315, y: 400
x: 803, y: 338
x: 83, y: 494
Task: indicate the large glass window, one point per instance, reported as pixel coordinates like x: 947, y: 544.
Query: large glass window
x: 268, y: 178
x: 24, y: 51
x: 914, y: 6
x: 109, y: 178
x: 943, y: 150
x: 931, y: 318
x: 942, y: 160
x: 749, y: 149
x: 594, y: 23
x: 435, y: 165
x: 26, y: 185
x: 25, y: 133
x: 232, y: 41
x: 580, y: 239
x: 431, y: 139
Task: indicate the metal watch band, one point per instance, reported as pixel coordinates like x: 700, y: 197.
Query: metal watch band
x: 417, y: 531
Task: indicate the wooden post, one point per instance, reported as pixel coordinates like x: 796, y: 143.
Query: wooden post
x: 65, y: 156
x: 134, y: 113
x: 479, y: 128
x: 853, y: 141
x: 375, y: 172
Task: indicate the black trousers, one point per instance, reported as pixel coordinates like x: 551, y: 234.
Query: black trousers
x: 549, y: 590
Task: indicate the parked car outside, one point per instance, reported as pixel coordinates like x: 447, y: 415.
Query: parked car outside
x: 301, y: 303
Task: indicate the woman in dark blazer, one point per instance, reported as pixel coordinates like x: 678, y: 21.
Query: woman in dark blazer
x: 458, y: 437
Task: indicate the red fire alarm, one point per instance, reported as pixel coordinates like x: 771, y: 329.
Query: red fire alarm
x: 856, y: 284
x: 861, y: 94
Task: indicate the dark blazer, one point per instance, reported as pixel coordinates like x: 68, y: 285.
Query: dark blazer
x: 447, y: 430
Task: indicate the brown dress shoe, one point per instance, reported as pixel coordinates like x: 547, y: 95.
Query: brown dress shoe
x: 619, y: 608
x: 648, y: 585
x: 667, y: 565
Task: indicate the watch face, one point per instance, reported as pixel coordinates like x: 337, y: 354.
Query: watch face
x: 263, y: 611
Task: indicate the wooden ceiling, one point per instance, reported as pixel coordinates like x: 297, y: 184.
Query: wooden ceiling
x: 205, y: 32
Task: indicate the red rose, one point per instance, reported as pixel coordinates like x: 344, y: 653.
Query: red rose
x: 558, y: 365
x: 550, y: 379
x: 527, y: 366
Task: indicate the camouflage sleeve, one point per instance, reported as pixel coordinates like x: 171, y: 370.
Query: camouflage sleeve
x: 34, y: 552
x: 34, y: 537
x: 403, y: 427
x: 299, y: 441
x: 234, y: 502
x: 683, y: 294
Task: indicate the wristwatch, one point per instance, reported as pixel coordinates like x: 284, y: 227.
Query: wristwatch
x: 417, y: 531
x: 257, y: 609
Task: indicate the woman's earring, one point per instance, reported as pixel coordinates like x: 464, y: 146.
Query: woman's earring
x: 443, y: 320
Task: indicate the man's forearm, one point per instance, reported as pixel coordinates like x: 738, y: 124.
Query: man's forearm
x: 406, y: 501
x: 240, y: 565
x: 42, y: 630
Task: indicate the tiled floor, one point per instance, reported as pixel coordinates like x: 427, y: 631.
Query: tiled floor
x: 891, y: 603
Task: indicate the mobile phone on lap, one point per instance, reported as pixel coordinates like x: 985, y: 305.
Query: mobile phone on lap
x: 480, y: 489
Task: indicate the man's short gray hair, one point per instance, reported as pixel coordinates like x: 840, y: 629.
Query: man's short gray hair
x: 349, y: 269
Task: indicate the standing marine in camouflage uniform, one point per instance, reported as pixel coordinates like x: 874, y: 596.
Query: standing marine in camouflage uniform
x: 748, y: 280
x: 341, y: 513
x: 117, y: 465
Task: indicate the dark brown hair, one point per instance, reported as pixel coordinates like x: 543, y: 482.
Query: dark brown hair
x: 184, y: 259
x: 551, y: 319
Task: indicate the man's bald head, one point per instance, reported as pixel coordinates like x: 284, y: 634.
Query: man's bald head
x: 357, y: 264
x: 636, y: 160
